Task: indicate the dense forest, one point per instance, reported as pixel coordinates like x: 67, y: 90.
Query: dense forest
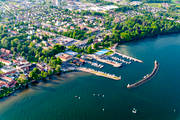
x: 141, y: 27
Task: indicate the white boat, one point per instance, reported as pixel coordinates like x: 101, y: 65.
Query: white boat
x: 134, y: 110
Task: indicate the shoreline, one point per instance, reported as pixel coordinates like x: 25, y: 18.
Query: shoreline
x: 16, y: 89
x: 148, y: 37
x: 36, y: 84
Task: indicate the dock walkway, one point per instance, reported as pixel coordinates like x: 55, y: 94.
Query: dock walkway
x: 124, y: 56
x: 110, y: 62
x: 128, y: 57
x: 99, y: 73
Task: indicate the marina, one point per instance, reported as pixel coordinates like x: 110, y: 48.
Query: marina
x: 146, y: 77
x: 92, y: 63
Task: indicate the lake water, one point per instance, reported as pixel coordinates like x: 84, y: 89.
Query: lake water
x: 158, y: 99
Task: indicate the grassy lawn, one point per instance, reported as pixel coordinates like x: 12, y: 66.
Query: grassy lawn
x: 109, y: 53
x: 1, y: 72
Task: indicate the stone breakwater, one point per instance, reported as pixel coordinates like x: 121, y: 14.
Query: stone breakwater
x: 146, y: 77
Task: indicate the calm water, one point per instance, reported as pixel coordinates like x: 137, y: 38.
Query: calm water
x: 155, y: 100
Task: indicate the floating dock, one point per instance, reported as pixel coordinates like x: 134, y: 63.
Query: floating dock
x: 95, y: 64
x: 128, y: 57
x: 146, y: 77
x: 110, y: 62
x: 99, y: 73
x: 119, y: 59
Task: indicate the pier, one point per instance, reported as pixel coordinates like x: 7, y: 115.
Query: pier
x: 99, y: 73
x: 128, y: 57
x: 124, y: 56
x: 119, y: 59
x: 68, y: 69
x: 113, y: 48
x: 146, y: 77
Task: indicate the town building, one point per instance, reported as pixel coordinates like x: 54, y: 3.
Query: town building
x: 64, y: 57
